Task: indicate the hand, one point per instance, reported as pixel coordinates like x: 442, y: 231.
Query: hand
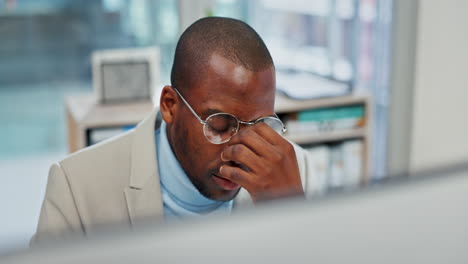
x: 267, y: 163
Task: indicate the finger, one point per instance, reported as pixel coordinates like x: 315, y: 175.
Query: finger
x: 254, y: 142
x: 268, y: 133
x: 236, y: 175
x: 243, y: 155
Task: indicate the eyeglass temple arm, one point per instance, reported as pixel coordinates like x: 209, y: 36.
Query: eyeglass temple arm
x: 189, y: 107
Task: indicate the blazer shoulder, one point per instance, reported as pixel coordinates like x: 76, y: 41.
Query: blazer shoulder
x: 110, y: 153
x: 97, y: 177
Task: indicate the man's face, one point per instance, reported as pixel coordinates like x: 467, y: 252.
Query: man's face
x: 227, y: 87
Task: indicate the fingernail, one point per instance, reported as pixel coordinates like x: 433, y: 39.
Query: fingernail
x: 221, y: 170
x: 222, y: 156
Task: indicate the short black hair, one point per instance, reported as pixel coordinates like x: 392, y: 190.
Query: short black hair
x: 228, y: 37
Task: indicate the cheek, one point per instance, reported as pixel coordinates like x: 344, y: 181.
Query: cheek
x: 201, y: 155
x: 205, y: 153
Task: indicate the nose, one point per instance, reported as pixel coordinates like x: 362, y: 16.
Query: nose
x: 244, y: 124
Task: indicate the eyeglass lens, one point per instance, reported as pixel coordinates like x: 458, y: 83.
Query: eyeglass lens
x: 274, y: 123
x: 219, y: 128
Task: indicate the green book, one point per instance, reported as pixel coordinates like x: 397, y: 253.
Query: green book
x: 332, y: 113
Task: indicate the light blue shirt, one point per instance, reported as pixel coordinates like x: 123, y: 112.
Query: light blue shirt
x: 179, y: 195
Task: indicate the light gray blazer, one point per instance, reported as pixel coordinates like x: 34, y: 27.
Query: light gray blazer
x: 117, y: 181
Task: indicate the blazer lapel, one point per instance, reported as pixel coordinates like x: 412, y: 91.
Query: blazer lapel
x: 143, y: 195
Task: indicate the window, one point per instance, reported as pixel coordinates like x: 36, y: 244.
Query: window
x: 45, y: 53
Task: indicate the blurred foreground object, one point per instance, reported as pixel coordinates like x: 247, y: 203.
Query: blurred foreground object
x: 409, y: 220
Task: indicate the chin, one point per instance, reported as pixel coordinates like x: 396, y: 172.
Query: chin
x: 218, y: 194
x: 226, y: 196
x: 209, y: 188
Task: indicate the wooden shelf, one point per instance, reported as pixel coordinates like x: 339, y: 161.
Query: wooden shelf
x: 84, y: 112
x: 291, y: 107
x: 284, y: 104
x: 89, y: 113
x: 326, y: 137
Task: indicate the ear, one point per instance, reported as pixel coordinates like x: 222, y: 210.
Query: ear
x: 168, y: 104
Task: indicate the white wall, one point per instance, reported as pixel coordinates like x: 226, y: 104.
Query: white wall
x: 440, y: 106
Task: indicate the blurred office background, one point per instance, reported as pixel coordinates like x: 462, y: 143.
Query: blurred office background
x: 408, y: 57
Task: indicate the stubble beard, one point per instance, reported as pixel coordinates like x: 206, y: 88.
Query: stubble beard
x: 186, y: 155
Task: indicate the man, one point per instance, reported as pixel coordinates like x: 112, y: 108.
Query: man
x: 215, y: 133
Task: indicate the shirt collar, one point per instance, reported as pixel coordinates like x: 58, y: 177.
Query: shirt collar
x: 175, y: 181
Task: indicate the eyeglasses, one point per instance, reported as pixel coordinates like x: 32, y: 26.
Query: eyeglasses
x: 220, y: 127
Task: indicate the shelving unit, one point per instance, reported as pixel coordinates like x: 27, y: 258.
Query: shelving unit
x: 332, y: 136
x: 85, y: 115
x: 287, y: 106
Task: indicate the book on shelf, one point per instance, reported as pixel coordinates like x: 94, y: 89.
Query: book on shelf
x: 336, y: 172
x: 335, y: 166
x: 326, y: 119
x: 352, y: 161
x: 318, y: 165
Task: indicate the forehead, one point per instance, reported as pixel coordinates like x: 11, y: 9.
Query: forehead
x: 232, y: 88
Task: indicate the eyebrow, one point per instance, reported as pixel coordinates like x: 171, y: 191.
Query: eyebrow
x: 211, y: 111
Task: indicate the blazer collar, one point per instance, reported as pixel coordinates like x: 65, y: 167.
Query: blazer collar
x: 143, y: 195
